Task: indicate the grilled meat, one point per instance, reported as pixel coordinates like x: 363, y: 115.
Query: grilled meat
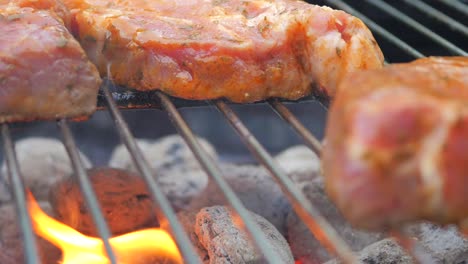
x: 58, y: 9
x: 242, y: 50
x: 44, y: 73
x: 397, y: 144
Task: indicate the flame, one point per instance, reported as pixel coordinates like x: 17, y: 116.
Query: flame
x: 141, y: 247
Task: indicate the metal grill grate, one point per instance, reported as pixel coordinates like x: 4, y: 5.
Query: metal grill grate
x: 307, y: 212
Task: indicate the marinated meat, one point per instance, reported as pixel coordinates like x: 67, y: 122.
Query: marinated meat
x: 241, y: 50
x: 55, y: 6
x: 44, y: 73
x: 397, y: 144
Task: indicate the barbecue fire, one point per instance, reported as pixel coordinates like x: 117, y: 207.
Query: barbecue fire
x: 141, y: 247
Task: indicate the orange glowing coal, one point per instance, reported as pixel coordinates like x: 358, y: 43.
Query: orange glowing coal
x: 149, y: 246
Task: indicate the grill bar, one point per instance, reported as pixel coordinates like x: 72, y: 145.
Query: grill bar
x: 164, y: 209
x: 425, y: 8
x: 417, y: 26
x: 377, y: 28
x: 463, y: 8
x: 87, y: 189
x: 312, y: 217
x: 18, y: 191
x: 311, y: 141
x: 215, y: 173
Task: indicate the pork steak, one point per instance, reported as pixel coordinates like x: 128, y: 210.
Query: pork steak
x: 396, y: 144
x: 44, y: 72
x: 241, y: 50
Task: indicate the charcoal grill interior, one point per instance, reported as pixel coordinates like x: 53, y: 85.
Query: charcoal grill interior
x: 405, y: 30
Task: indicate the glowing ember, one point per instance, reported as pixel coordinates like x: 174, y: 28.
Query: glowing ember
x: 141, y: 247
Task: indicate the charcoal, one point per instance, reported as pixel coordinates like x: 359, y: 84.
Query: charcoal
x: 434, y: 244
x: 181, y: 184
x: 255, y: 188
x: 173, y: 165
x: 163, y: 154
x: 300, y: 163
x: 305, y: 246
x: 122, y: 195
x: 11, y: 240
x: 120, y: 158
x: 43, y: 162
x: 385, y: 251
x: 188, y: 219
x: 218, y: 238
x: 220, y: 233
x: 443, y: 244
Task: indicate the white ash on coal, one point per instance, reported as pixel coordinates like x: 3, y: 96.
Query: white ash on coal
x: 173, y: 164
x: 188, y: 221
x: 42, y: 161
x: 305, y: 246
x: 165, y: 153
x: 255, y: 188
x: 220, y: 233
x: 385, y: 251
x: 220, y: 239
x: 442, y: 244
x: 11, y: 239
x: 122, y: 195
x: 181, y: 185
x: 300, y: 163
x: 258, y: 190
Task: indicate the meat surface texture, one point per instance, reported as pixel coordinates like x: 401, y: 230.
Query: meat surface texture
x: 244, y: 51
x: 396, y: 144
x: 44, y: 73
